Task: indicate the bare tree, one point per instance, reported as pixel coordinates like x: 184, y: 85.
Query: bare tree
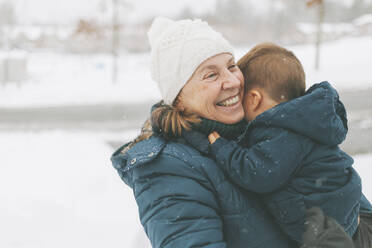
x: 115, y: 39
x: 320, y: 7
x: 7, y: 19
x: 117, y: 11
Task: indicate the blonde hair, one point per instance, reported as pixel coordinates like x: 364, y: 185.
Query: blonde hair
x: 170, y: 120
x: 167, y: 120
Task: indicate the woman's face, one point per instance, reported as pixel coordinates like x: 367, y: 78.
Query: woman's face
x: 215, y: 90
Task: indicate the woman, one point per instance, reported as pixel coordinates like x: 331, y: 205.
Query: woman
x: 184, y: 199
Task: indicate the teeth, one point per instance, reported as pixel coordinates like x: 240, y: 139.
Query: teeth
x: 229, y: 102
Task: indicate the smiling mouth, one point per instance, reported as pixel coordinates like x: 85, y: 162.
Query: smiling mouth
x: 229, y: 102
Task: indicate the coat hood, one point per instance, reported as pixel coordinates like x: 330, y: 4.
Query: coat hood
x: 318, y: 114
x: 139, y: 154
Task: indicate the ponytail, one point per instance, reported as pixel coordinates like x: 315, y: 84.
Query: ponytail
x: 166, y: 120
x: 169, y: 120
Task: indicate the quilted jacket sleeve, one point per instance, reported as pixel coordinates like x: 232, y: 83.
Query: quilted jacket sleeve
x: 267, y: 165
x: 177, y: 206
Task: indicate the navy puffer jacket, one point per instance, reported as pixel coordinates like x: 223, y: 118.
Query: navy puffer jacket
x: 185, y: 200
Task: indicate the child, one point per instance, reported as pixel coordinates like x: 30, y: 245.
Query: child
x: 289, y: 151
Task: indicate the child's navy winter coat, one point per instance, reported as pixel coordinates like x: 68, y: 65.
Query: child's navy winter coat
x: 290, y: 155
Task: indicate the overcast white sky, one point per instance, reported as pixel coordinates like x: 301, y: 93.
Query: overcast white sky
x: 69, y: 11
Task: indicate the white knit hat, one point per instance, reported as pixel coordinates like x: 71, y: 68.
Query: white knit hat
x: 178, y: 48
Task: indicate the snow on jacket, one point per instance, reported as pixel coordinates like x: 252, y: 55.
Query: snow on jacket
x: 185, y: 200
x: 290, y: 155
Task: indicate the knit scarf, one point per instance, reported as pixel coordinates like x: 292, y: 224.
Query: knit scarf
x: 229, y: 131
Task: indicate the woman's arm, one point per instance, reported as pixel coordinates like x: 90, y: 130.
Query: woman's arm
x: 267, y: 165
x: 176, y: 207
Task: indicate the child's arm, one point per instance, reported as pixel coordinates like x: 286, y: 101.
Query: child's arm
x: 267, y: 165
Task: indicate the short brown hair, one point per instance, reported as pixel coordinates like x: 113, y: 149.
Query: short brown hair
x: 274, y: 69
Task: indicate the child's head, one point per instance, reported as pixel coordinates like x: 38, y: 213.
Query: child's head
x: 272, y: 75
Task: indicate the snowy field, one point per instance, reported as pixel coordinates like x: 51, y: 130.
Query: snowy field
x: 57, y: 80
x: 58, y: 189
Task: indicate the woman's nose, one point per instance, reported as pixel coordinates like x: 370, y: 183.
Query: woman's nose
x: 230, y: 80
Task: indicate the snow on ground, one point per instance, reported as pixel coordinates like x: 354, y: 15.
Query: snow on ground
x: 58, y: 189
x: 345, y: 63
x: 57, y: 79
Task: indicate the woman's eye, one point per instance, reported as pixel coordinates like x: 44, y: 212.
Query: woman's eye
x: 232, y: 67
x: 212, y: 75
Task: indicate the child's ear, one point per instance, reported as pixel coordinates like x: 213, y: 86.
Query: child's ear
x: 255, y: 99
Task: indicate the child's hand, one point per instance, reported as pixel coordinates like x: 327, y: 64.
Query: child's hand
x: 213, y: 137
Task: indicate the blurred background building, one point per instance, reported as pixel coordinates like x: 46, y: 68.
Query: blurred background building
x: 87, y: 26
